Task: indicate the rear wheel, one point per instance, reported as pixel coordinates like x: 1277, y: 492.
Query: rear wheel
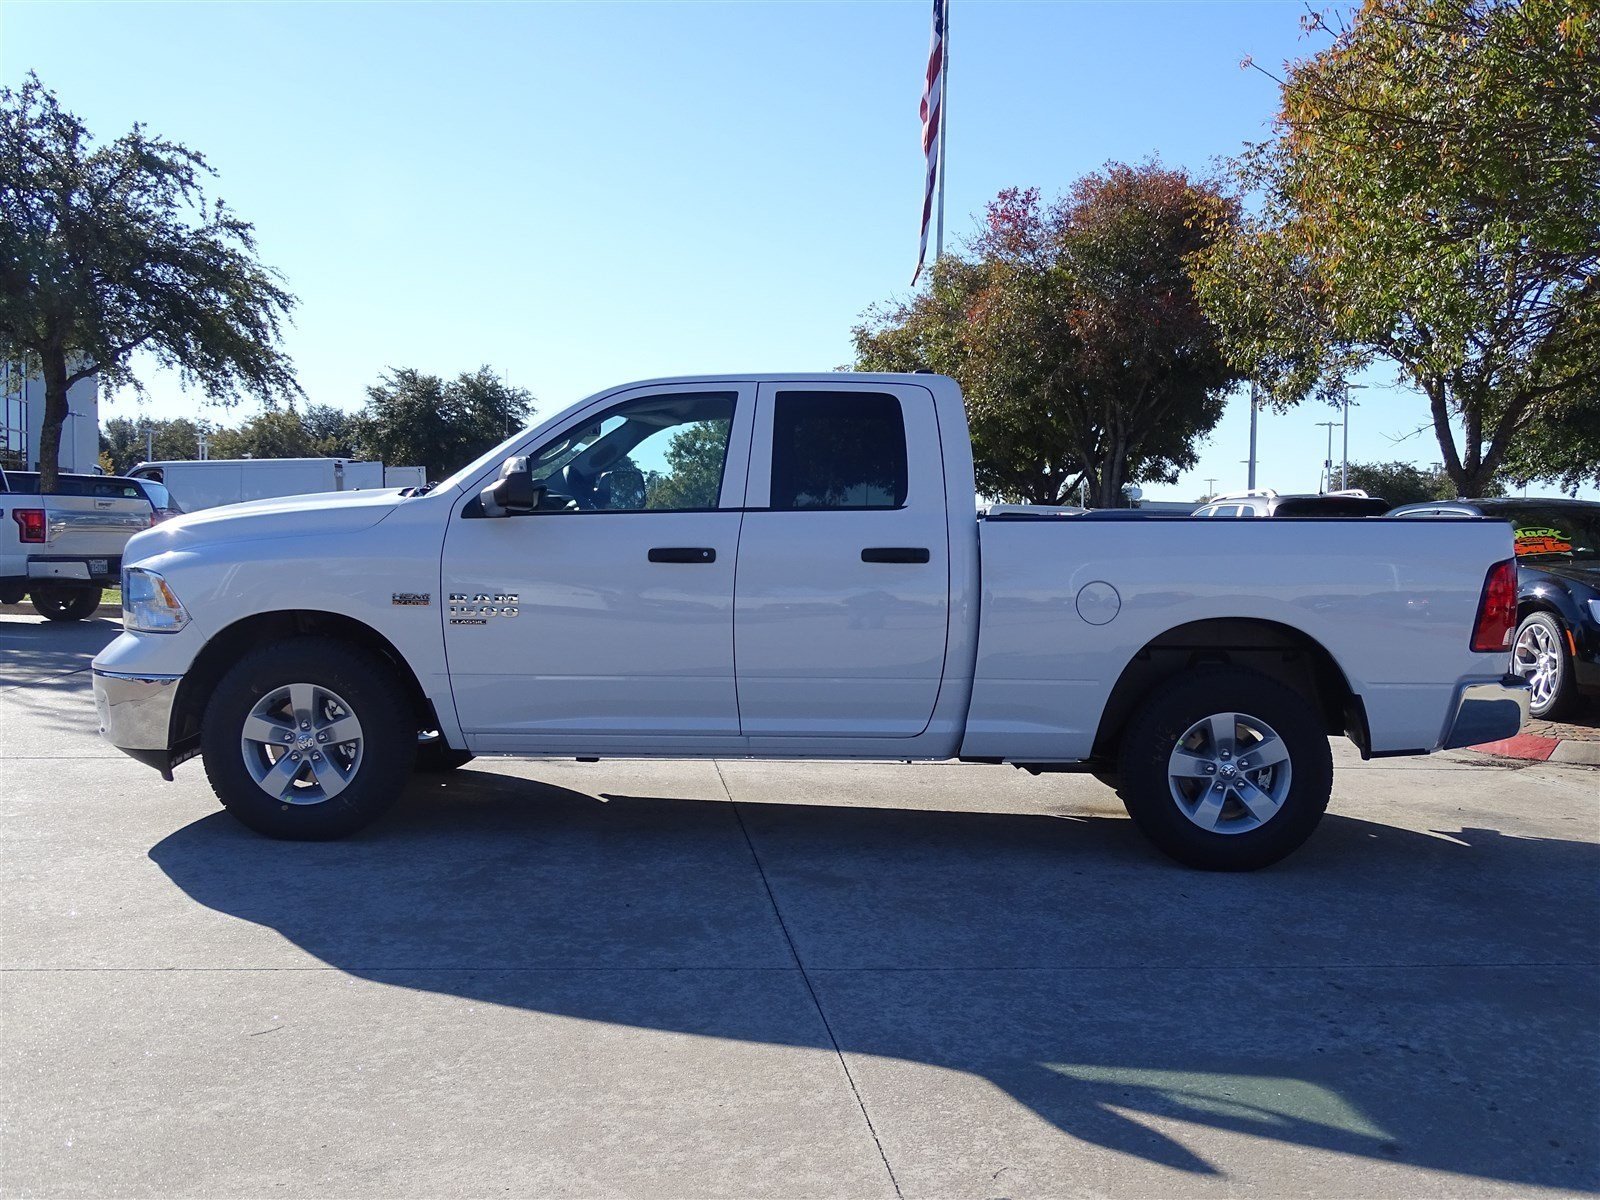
x: 65, y: 603
x: 1226, y: 769
x: 1539, y: 655
x: 308, y: 738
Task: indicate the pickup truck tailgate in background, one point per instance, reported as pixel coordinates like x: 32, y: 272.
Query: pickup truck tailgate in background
x: 82, y: 525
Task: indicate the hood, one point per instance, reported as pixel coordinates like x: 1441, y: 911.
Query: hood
x: 283, y: 516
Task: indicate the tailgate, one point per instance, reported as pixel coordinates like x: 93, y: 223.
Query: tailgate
x: 93, y: 526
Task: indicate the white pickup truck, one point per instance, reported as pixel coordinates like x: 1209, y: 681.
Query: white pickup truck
x: 791, y: 566
x: 60, y: 550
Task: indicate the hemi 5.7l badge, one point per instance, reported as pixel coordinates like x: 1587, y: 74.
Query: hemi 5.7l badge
x: 421, y: 599
x: 478, y: 607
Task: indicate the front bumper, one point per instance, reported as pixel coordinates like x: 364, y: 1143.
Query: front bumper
x: 135, y: 712
x: 1488, y: 712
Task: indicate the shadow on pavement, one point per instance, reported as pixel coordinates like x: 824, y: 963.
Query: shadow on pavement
x: 1387, y: 994
x: 31, y: 651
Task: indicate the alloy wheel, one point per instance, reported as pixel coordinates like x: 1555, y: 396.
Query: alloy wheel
x: 1537, y: 658
x: 1229, y: 773
x: 301, y: 744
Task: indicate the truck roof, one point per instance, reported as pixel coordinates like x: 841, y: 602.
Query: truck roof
x: 921, y: 377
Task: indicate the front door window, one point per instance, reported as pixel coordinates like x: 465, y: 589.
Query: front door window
x: 660, y: 454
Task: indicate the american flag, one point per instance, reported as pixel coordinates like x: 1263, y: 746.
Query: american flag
x: 932, y: 114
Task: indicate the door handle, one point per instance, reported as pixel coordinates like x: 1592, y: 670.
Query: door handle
x: 683, y: 554
x: 895, y: 554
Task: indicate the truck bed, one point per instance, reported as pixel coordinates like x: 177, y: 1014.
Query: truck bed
x: 1068, y: 604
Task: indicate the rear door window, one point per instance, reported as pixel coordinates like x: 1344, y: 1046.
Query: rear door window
x: 838, y: 450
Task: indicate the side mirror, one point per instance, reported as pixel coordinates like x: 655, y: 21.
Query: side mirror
x: 514, y: 492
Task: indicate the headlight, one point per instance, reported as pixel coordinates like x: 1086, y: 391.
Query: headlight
x: 1594, y: 611
x: 148, y: 604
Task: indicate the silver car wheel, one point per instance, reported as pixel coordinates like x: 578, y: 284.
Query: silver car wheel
x: 1537, y: 658
x: 1230, y: 773
x: 301, y: 744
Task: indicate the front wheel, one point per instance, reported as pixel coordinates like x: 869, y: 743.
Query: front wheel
x: 1226, y: 769
x: 308, y: 738
x: 65, y: 603
x: 1539, y: 655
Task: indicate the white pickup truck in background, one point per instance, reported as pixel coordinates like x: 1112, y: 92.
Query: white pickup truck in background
x: 790, y: 566
x: 61, y: 550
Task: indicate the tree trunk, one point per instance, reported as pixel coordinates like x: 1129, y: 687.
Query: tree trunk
x: 1434, y: 387
x: 1113, y: 471
x: 55, y: 416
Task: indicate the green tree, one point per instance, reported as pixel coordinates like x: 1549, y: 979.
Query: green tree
x: 1432, y: 197
x: 1076, y: 335
x: 109, y: 250
x: 1406, y: 483
x: 414, y: 419
x: 693, y: 478
x: 330, y: 431
x: 123, y: 439
x: 276, y: 433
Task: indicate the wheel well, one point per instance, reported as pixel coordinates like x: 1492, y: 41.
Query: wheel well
x: 1275, y: 650
x: 223, y: 650
x: 1532, y: 604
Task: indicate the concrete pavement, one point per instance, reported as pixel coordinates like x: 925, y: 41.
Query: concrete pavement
x: 782, y: 979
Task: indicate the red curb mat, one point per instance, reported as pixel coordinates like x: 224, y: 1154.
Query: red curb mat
x: 1524, y: 745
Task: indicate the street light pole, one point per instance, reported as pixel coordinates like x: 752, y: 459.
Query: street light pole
x: 1344, y: 469
x: 1344, y: 472
x: 1324, y: 484
x: 1251, y: 477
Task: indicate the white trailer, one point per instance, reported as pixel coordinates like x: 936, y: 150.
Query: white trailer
x: 405, y: 477
x: 207, y: 483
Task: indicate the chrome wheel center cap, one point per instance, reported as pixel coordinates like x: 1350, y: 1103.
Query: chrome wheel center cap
x: 1228, y: 770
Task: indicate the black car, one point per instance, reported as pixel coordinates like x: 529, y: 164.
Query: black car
x: 1265, y: 502
x: 1557, y: 643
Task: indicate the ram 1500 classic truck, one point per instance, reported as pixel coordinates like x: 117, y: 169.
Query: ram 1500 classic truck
x: 791, y: 566
x: 60, y: 550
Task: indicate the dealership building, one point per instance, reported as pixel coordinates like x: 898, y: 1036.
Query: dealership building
x: 22, y: 416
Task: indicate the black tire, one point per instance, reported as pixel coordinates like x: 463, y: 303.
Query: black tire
x: 436, y: 756
x: 1541, y: 635
x: 65, y: 603
x: 1165, y: 718
x: 366, y: 685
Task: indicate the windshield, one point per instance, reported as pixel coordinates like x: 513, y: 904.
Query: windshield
x: 1553, y: 533
x: 488, y: 458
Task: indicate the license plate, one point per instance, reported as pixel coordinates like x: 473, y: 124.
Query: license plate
x: 97, y: 566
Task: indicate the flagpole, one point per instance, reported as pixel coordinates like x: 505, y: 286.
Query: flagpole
x: 944, y: 124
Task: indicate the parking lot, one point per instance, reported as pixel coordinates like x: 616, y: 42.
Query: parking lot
x: 735, y: 978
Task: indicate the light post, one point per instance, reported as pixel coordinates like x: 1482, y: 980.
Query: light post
x: 1250, y: 478
x: 1344, y: 471
x: 1324, y: 484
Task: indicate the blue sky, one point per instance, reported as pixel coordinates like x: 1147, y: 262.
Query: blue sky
x: 579, y: 194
